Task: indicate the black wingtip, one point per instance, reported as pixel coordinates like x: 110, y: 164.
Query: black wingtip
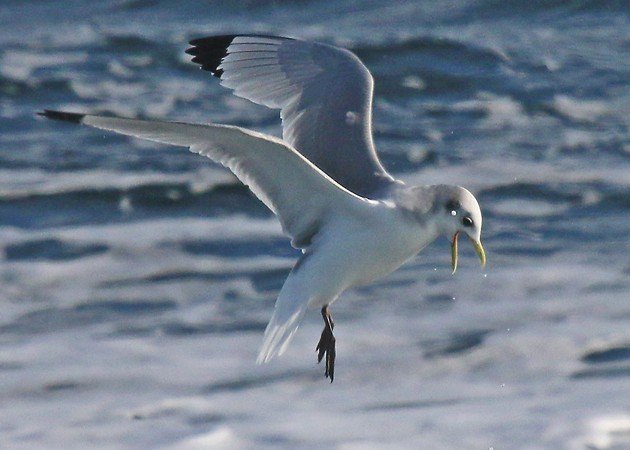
x: 208, y: 52
x: 62, y: 115
x: 218, y: 40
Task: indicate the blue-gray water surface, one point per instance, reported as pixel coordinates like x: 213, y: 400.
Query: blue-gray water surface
x: 137, y: 279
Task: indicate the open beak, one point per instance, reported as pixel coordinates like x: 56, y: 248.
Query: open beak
x: 480, y: 252
x: 454, y: 252
x: 478, y: 249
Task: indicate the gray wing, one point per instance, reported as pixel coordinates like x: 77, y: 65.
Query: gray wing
x: 324, y: 93
x: 300, y: 194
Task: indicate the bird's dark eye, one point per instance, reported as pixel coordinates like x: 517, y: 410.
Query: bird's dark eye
x: 467, y: 221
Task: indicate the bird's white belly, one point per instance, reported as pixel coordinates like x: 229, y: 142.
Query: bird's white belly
x: 356, y: 253
x: 383, y: 252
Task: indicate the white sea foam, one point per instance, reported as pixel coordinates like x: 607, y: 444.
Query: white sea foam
x: 578, y: 109
x: 500, y: 111
x: 220, y: 438
x: 20, y: 65
x: 606, y: 432
x: 15, y: 184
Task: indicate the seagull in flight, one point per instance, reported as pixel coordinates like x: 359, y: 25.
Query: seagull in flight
x: 353, y: 221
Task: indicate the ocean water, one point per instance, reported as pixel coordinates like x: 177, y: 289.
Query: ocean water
x: 136, y: 280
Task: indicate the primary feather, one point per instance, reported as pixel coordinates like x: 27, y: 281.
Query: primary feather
x: 324, y: 94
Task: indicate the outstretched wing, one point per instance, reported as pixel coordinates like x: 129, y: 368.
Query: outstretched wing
x: 324, y: 93
x: 299, y: 193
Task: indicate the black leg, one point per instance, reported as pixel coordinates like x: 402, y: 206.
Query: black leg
x: 326, y: 345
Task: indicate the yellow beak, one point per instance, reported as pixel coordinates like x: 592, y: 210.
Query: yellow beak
x: 454, y: 252
x: 480, y: 252
x: 478, y: 249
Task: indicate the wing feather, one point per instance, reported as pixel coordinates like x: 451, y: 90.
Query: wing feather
x: 298, y: 192
x: 324, y: 94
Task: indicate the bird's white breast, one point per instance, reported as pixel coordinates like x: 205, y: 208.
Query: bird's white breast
x: 358, y: 249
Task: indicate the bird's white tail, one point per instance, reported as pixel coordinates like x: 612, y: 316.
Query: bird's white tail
x: 288, y: 312
x: 278, y: 335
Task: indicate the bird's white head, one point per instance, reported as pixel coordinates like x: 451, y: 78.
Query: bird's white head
x: 457, y: 212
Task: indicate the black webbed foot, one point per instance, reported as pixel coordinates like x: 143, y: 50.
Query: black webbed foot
x: 326, y: 345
